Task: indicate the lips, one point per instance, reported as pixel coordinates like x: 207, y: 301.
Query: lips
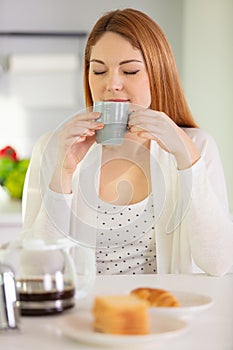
x: 117, y: 100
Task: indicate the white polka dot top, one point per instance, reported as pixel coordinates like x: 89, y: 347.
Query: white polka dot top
x: 125, y: 242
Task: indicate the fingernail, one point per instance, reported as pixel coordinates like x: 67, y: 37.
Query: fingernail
x: 99, y: 126
x: 89, y: 133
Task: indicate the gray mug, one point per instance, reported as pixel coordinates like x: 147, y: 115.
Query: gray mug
x: 115, y: 116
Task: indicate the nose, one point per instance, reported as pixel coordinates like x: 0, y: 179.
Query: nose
x: 114, y: 82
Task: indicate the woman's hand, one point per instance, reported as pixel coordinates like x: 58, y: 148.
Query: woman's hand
x: 74, y: 141
x: 154, y: 125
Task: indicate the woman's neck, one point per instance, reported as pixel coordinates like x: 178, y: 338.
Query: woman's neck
x: 125, y: 173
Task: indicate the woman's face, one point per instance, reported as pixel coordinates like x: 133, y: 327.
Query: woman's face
x: 118, y: 72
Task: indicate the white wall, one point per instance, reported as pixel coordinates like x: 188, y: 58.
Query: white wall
x: 79, y: 15
x: 208, y: 72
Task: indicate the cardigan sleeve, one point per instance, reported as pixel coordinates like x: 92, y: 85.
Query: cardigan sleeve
x: 208, y: 220
x: 46, y: 214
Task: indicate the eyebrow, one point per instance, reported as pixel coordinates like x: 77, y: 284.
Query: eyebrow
x: 121, y: 63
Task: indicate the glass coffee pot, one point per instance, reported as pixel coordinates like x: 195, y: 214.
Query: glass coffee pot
x: 49, y: 275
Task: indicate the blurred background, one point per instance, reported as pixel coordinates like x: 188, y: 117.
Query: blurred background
x: 41, y: 74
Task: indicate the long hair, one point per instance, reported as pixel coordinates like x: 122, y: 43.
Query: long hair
x: 145, y: 34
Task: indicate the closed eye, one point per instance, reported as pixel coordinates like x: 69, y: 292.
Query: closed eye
x: 131, y: 72
x: 125, y: 72
x: 98, y: 72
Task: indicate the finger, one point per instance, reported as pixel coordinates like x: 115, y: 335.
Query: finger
x: 83, y: 128
x: 79, y: 139
x: 147, y: 135
x: 137, y: 120
x: 88, y: 139
x: 85, y: 116
x: 146, y: 112
x: 143, y: 127
x: 79, y: 118
x: 154, y: 137
x: 89, y: 125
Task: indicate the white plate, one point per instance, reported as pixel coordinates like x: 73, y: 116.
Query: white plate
x: 79, y: 327
x: 191, y: 304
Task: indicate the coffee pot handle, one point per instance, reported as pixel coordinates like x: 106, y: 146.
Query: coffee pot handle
x: 81, y: 261
x: 9, y: 306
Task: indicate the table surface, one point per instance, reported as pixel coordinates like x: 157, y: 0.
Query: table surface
x: 212, y: 329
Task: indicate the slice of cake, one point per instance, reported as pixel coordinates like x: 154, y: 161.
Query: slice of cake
x: 120, y: 314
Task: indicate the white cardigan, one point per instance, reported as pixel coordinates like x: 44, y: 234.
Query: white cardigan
x: 192, y: 220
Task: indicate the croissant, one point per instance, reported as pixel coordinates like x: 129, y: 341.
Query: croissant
x: 156, y: 297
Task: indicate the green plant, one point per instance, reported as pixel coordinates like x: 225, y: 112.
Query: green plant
x: 12, y: 172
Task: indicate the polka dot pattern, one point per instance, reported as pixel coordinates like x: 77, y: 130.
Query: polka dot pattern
x: 125, y: 238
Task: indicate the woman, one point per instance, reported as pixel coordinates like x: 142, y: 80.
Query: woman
x: 158, y: 202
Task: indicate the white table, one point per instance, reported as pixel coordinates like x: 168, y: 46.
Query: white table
x: 212, y: 329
